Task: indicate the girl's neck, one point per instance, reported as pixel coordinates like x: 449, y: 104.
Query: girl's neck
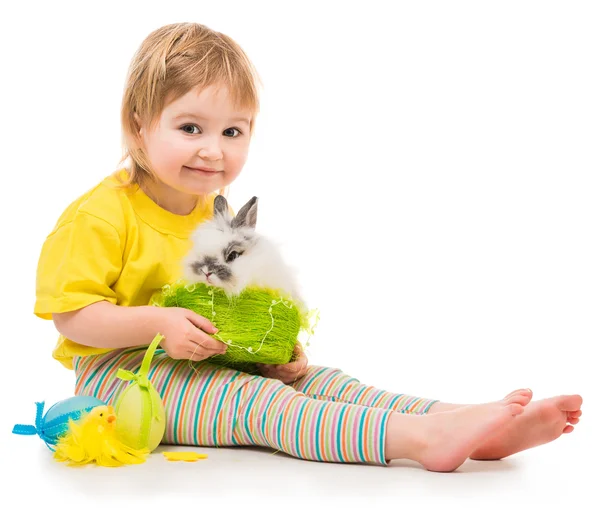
x: 168, y: 198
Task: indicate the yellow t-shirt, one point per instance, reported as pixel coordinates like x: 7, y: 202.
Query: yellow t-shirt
x: 111, y: 244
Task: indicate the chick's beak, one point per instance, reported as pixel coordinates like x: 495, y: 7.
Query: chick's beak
x: 111, y: 418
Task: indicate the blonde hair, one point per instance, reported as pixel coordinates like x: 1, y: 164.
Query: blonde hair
x: 170, y: 62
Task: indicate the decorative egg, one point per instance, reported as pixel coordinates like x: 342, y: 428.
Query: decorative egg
x: 55, y: 423
x: 141, y: 417
x: 140, y: 410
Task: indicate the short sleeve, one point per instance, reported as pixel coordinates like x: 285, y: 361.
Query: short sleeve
x: 79, y: 263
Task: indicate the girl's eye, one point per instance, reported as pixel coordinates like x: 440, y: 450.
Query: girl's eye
x: 233, y: 136
x: 232, y: 256
x: 189, y: 128
x: 192, y: 129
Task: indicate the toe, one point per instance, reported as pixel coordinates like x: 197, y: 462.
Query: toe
x: 516, y: 409
x: 568, y: 429
x: 523, y: 391
x: 520, y: 396
x: 572, y: 421
x: 569, y: 402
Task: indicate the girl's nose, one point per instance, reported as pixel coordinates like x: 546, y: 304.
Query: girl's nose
x: 210, y: 149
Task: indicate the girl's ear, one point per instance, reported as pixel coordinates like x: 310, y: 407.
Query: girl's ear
x: 138, y: 123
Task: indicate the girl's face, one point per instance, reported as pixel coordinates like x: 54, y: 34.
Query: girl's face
x: 200, y: 130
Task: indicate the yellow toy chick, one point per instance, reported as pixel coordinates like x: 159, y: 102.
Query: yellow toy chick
x: 93, y: 438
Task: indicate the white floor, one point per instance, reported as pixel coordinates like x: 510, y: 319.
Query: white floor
x: 546, y: 478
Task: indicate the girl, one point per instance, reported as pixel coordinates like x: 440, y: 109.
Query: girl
x: 188, y: 114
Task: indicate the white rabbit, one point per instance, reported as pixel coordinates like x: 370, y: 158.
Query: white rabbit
x: 228, y: 253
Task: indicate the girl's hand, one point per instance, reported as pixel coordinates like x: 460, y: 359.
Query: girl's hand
x: 186, y: 335
x: 289, y: 372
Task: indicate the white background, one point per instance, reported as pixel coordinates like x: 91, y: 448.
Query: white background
x: 431, y: 169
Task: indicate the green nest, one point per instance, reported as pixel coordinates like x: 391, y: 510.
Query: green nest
x: 258, y: 325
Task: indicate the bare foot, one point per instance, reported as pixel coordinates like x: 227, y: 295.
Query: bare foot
x: 543, y: 421
x: 443, y: 441
x: 444, y: 406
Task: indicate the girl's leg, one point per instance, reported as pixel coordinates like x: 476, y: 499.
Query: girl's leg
x: 208, y: 405
x: 542, y: 422
x: 331, y: 384
x: 198, y: 397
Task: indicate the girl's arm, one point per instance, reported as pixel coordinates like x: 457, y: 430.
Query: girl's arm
x: 105, y: 325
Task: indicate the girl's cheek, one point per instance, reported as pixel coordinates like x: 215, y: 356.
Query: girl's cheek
x: 167, y: 156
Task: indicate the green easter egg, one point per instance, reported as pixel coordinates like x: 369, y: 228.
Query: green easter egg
x: 140, y: 410
x: 140, y: 417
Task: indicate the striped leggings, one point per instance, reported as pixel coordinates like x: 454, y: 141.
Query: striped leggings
x: 323, y: 416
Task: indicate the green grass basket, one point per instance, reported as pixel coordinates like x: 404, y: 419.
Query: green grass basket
x: 259, y: 325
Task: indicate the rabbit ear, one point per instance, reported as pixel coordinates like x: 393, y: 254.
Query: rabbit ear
x: 247, y: 215
x: 220, y: 207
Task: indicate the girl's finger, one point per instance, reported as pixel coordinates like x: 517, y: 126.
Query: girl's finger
x: 197, y: 355
x: 293, y: 369
x: 201, y: 322
x: 295, y: 366
x: 209, y: 344
x: 199, y: 349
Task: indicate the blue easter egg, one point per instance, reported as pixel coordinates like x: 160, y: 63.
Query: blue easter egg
x: 56, y: 420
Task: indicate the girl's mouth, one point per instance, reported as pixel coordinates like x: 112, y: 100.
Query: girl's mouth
x: 203, y: 172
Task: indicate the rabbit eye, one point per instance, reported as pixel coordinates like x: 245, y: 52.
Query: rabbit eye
x: 232, y: 256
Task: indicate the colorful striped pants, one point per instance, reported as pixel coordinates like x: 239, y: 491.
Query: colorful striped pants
x: 323, y: 416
